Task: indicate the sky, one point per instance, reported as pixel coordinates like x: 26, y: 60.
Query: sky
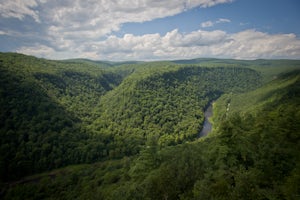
x: 120, y: 30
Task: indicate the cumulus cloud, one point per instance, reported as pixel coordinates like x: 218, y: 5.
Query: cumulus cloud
x: 76, y: 23
x: 92, y: 19
x: 195, y: 38
x: 46, y: 51
x: 76, y: 28
x: 253, y: 44
x: 37, y: 50
x: 72, y: 20
x: 248, y: 44
x: 19, y: 9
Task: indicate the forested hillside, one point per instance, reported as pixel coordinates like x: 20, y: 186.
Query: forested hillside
x: 43, y: 104
x: 130, y: 130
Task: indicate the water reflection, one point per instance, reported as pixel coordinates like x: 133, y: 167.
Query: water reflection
x: 207, y: 126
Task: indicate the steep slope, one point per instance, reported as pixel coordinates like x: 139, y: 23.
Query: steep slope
x: 56, y: 113
x: 45, y: 106
x: 31, y: 125
x: 279, y: 90
x: 252, y: 155
x: 148, y: 115
x: 257, y: 144
x: 167, y: 105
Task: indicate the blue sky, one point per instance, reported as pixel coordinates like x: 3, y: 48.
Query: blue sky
x: 273, y: 16
x: 151, y: 29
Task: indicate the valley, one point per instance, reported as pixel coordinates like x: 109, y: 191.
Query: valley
x: 81, y: 129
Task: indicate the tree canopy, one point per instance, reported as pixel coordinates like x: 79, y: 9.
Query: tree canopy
x: 130, y: 130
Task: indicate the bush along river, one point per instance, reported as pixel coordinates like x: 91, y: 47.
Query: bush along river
x: 207, y: 126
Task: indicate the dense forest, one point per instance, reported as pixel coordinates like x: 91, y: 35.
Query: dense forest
x: 81, y: 129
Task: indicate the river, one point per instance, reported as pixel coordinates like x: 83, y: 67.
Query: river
x: 207, y: 126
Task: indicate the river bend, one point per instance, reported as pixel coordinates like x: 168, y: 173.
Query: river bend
x: 207, y: 126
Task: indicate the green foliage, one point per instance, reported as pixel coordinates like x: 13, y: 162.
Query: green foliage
x: 44, y: 108
x: 168, y: 104
x: 135, y: 127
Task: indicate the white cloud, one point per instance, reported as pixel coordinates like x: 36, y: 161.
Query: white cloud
x: 37, y: 50
x: 3, y: 33
x: 207, y: 24
x: 92, y: 18
x: 73, y: 20
x: 19, y: 9
x: 223, y: 20
x: 76, y: 28
x: 44, y: 51
x: 211, y: 23
x: 248, y: 44
x: 251, y: 44
x: 210, y: 3
x: 195, y: 38
x: 84, y: 22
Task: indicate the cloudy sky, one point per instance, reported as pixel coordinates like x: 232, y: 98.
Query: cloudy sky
x: 151, y: 29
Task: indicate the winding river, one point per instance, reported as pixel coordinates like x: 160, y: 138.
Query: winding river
x: 207, y: 126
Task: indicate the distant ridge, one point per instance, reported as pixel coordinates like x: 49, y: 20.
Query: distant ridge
x: 102, y: 63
